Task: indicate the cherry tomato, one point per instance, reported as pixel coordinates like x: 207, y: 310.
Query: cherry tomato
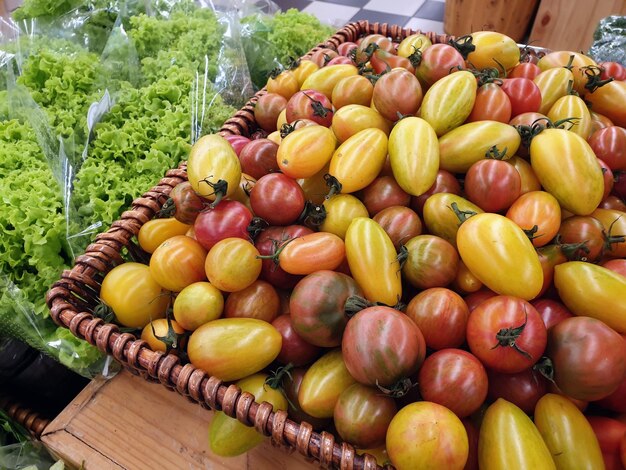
x: 187, y: 203
x: 537, y: 213
x: 612, y: 69
x: 267, y: 109
x: 524, y: 95
x: 133, y: 294
x: 156, y: 231
x: 237, y: 142
x: 154, y: 332
x: 400, y: 223
x: 609, y: 433
x: 615, y: 401
x: 384, y: 192
x: 294, y: 349
x: 551, y: 311
x: 445, y: 182
x: 609, y: 179
x: 277, y: 199
x: 491, y: 104
x: 310, y: 253
x: 549, y: 257
x: 525, y: 70
x: 291, y: 386
x: 570, y: 106
x: 310, y: 104
x: 258, y: 158
x: 493, y: 50
x: 413, y: 43
x: 587, y: 232
x: 523, y: 389
x: 325, y: 79
x: 397, y: 94
x: 354, y: 118
x: 465, y: 281
x: 284, y: 84
x: 346, y: 48
x: 259, y: 300
x: 355, y: 89
x: 440, y: 220
x: 232, y: 264
x: 610, y: 100
x: 322, y: 57
x: 305, y: 151
x: 616, y: 265
x: 493, y: 185
x: 441, y: 316
x: 609, y: 145
x: 474, y: 299
x: 197, y: 304
x: 598, y: 121
x: 438, y: 61
x: 383, y: 61
x: 178, y: 262
x: 530, y: 182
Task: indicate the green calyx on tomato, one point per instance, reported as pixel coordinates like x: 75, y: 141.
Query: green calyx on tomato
x: 507, y: 337
x: 527, y: 133
x: 399, y: 389
x: 256, y: 226
x: 313, y: 215
x: 494, y: 154
x: 220, y: 189
x: 464, y: 45
x: 334, y: 186
x: 174, y: 341
x: 461, y: 214
x: 545, y: 367
x: 355, y: 303
x: 594, y: 80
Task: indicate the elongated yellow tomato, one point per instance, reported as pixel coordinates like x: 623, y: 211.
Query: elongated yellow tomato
x: 500, y: 254
x: 449, y: 102
x: 553, y: 84
x: 156, y: 231
x: 567, y: 433
x: 358, y: 161
x: 564, y: 58
x: 303, y: 70
x: 509, y: 440
x: 341, y: 209
x: 590, y: 290
x: 325, y: 79
x: 373, y: 262
x: 213, y: 168
x: 570, y: 106
x: 493, y: 50
x: 233, y: 348
x: 610, y: 101
x: 414, y: 155
x: 530, y: 182
x: 229, y: 437
x: 460, y: 148
x: 440, y: 217
x: 322, y: 384
x: 614, y: 223
x: 315, y: 187
x: 354, y: 118
x: 412, y: 43
x: 568, y: 169
x: 305, y: 151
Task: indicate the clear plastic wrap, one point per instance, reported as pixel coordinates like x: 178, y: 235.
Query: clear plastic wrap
x: 609, y: 40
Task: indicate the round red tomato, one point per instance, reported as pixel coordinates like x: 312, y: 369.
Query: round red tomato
x: 259, y: 300
x: 431, y: 262
x: 588, y: 357
x: 294, y: 349
x: 267, y: 109
x: 310, y: 104
x: 277, y: 199
x: 400, y: 223
x: 237, y: 142
x: 506, y: 333
x: 455, y: 379
x: 474, y: 299
x: 525, y: 70
x: 609, y: 145
x: 438, y: 61
x: 318, y: 307
x: 384, y: 192
x: 396, y: 94
x: 616, y: 401
x: 617, y: 265
x: 258, y: 158
x: 381, y: 346
x: 441, y: 315
x: 493, y: 185
x: 525, y: 96
x: 551, y: 311
x: 613, y: 70
x: 587, y: 235
x: 226, y: 220
x: 523, y: 389
x: 491, y: 104
x: 608, y: 179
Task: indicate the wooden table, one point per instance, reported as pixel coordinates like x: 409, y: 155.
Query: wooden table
x: 128, y: 423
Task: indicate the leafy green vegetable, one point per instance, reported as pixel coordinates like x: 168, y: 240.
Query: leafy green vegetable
x: 609, y: 40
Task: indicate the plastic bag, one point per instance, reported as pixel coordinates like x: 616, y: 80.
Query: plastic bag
x: 609, y: 40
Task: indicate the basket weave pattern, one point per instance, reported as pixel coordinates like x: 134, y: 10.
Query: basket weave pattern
x: 72, y: 299
x: 30, y: 420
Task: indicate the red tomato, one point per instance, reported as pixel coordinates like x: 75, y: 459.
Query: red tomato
x: 384, y: 192
x: 187, y: 203
x: 259, y: 300
x: 472, y: 436
x: 588, y: 233
x: 524, y: 95
x: 525, y: 70
x: 619, y: 185
x: 323, y: 56
x: 310, y: 104
x: 258, y: 158
x: 610, y: 433
x: 226, y: 220
x: 237, y: 142
x: 438, y: 61
x: 589, y: 358
x: 609, y: 145
x: 441, y: 315
x: 381, y: 346
x: 493, y: 185
x: 340, y: 60
x: 616, y: 401
x: 608, y: 179
x: 346, y: 47
x: 445, y: 183
x: 617, y: 265
x: 294, y: 349
x: 506, y: 333
x: 613, y: 203
x: 491, y: 104
x: 431, y: 262
x: 474, y: 299
x: 396, y: 94
x: 318, y: 307
x: 266, y: 111
x: 277, y: 199
x: 551, y: 311
x: 400, y: 223
x: 455, y: 379
x: 383, y: 61
x: 612, y: 69
x: 549, y: 257
x: 537, y: 213
x: 523, y: 389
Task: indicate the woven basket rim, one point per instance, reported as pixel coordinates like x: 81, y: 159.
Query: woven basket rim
x: 71, y: 297
x: 28, y: 418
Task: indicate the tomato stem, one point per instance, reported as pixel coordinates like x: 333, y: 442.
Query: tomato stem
x: 279, y: 246
x: 398, y: 389
x: 494, y: 154
x: 507, y: 337
x: 333, y: 184
x: 312, y: 214
x: 415, y: 57
x: 573, y: 251
x: 220, y: 189
x: 464, y: 45
x: 318, y: 108
x: 171, y: 339
x: 136, y: 253
x: 403, y: 255
x: 256, y: 226
x: 461, y: 215
x: 276, y: 377
x: 293, y: 63
x: 355, y: 303
x: 593, y: 73
x: 610, y: 239
x: 532, y: 232
x: 168, y: 209
x: 545, y: 367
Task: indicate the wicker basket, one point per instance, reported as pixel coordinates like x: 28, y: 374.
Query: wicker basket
x: 30, y: 420
x: 73, y: 297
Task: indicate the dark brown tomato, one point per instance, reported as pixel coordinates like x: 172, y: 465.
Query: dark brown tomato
x: 267, y: 109
x: 493, y: 185
x: 383, y: 192
x: 432, y: 262
x: 277, y: 199
x: 438, y: 61
x: 616, y: 265
x: 310, y: 104
x: 323, y: 56
x: 317, y: 307
x: 585, y: 231
x: 294, y: 349
x: 400, y: 223
x: 491, y: 104
x: 362, y: 415
x: 608, y: 179
x: 226, y: 220
x: 382, y: 346
x: 614, y: 203
x: 187, y: 203
x: 472, y: 437
x: 609, y: 145
x: 619, y: 185
x: 589, y: 358
x: 291, y: 386
x: 441, y: 315
x: 267, y: 243
x: 551, y: 311
x: 523, y: 389
x: 397, y: 94
x: 446, y: 182
x: 258, y: 158
x: 474, y: 299
x: 507, y: 334
x: 259, y: 300
x: 455, y: 379
x: 237, y: 142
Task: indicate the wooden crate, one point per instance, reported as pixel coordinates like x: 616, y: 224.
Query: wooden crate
x: 131, y: 424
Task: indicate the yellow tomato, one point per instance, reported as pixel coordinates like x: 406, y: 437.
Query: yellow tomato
x: 414, y: 155
x: 354, y: 118
x: 508, y: 439
x: 322, y: 384
x: 373, y: 261
x: 242, y: 194
x: 440, y: 218
x: 232, y: 264
x: 285, y: 84
x: 315, y: 187
x: 197, y: 304
x: 233, y: 348
x: 303, y: 70
x: 305, y: 151
x: 500, y: 254
x: 614, y: 223
x: 355, y: 89
x: 570, y: 106
x: 178, y: 262
x: 325, y: 79
x: 156, y: 231
x: 558, y: 59
x: 493, y: 50
x: 282, y: 119
x: 358, y: 161
x: 530, y: 182
x: 213, y: 167
x: 160, y: 329
x: 341, y: 209
x: 448, y: 103
x: 412, y: 43
x: 465, y: 282
x: 610, y: 101
x: 553, y: 84
x: 462, y: 147
x: 540, y: 210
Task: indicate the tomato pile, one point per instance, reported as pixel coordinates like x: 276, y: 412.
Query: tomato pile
x: 421, y: 249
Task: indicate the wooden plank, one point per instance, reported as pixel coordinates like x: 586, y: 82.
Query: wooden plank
x: 128, y: 423
x: 570, y: 24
